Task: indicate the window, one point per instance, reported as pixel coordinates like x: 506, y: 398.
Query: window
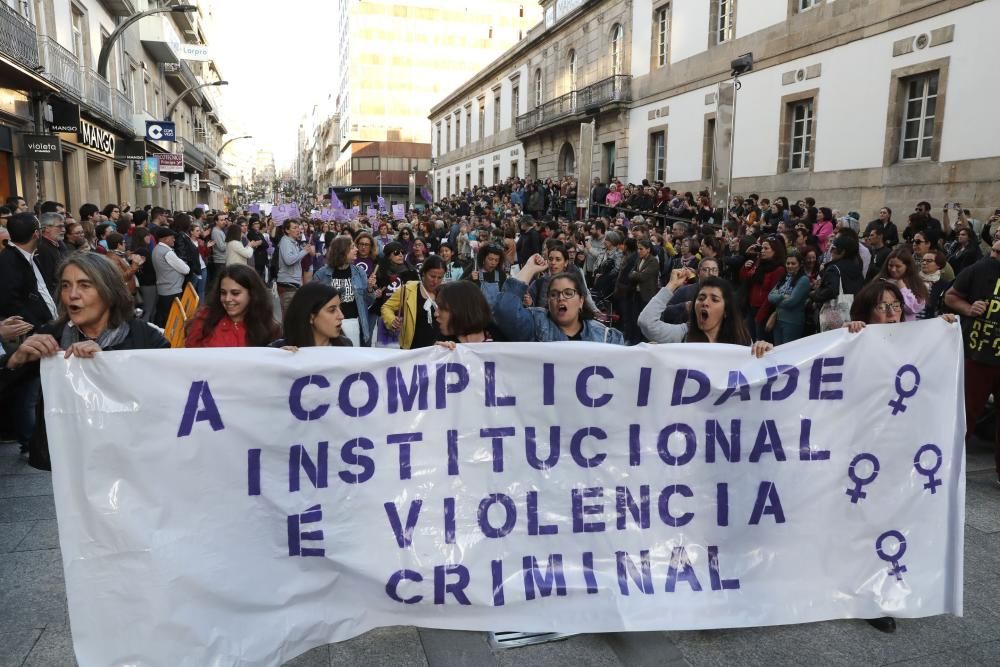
x: 439, y: 146
x: 496, y: 112
x: 447, y: 134
x: 458, y: 129
x: 515, y: 102
x: 919, y: 109
x: 658, y: 155
x: 662, y: 27
x: 482, y: 118
x: 802, y: 135
x: 617, y: 36
x: 572, y: 70
x: 482, y: 175
x: 538, y: 87
x: 78, y: 30
x: 723, y: 20
x: 804, y: 5
x: 147, y: 86
x: 608, y: 154
x: 708, y: 149
x: 468, y: 125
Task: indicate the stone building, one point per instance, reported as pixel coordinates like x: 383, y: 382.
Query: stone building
x: 860, y: 103
x: 521, y: 115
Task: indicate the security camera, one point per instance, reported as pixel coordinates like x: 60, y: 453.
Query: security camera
x: 742, y: 65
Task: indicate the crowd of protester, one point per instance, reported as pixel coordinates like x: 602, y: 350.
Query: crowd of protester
x: 519, y: 261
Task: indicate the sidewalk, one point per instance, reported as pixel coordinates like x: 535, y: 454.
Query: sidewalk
x: 35, y: 622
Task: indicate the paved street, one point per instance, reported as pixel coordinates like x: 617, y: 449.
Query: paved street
x: 35, y: 623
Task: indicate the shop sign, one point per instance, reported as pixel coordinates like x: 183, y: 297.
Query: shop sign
x: 130, y: 150
x: 171, y: 163
x: 42, y: 147
x: 97, y: 138
x: 195, y: 182
x: 65, y: 116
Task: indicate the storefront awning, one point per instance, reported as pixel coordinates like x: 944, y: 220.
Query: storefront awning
x: 17, y: 77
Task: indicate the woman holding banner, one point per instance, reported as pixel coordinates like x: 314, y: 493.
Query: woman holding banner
x: 714, y: 317
x: 565, y: 317
x: 95, y: 313
x: 314, y: 319
x: 410, y: 310
x: 237, y: 311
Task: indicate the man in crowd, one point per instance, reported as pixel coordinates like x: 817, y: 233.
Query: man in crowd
x: 219, y: 246
x: 23, y: 291
x: 170, y: 273
x: 51, y: 248
x: 16, y: 204
x: 879, y: 251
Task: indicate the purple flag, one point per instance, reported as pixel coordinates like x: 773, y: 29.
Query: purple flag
x: 335, y: 201
x: 381, y: 203
x: 426, y: 194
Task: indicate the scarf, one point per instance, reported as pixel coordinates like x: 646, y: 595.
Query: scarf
x: 108, y: 338
x: 429, y: 305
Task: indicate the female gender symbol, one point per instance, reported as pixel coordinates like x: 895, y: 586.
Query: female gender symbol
x: 932, y: 482
x: 897, y: 569
x: 897, y: 404
x: 856, y: 493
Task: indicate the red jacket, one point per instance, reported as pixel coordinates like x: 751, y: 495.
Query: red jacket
x: 226, y: 333
x: 759, y: 291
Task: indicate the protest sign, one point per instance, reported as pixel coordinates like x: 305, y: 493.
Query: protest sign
x: 569, y: 487
x: 372, y: 212
x: 399, y: 211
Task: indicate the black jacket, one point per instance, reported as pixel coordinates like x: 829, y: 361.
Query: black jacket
x: 843, y: 271
x: 141, y: 336
x: 48, y: 256
x: 187, y: 250
x: 19, y: 289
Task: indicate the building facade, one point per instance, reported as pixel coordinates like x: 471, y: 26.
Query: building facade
x: 396, y: 60
x: 861, y: 103
x: 51, y: 48
x: 521, y: 115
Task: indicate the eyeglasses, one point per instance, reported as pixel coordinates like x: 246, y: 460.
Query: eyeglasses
x: 396, y: 252
x: 920, y: 241
x: 927, y: 260
x: 567, y: 293
x: 361, y: 243
x: 886, y: 308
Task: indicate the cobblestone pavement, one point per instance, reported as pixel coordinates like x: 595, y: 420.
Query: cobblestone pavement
x: 34, y: 623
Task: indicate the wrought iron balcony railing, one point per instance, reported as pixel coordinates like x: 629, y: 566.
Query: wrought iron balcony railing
x: 613, y: 90
x: 17, y: 37
x: 61, y: 66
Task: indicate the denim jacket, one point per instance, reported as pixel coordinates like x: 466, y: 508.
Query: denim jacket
x: 361, y: 296
x: 533, y: 324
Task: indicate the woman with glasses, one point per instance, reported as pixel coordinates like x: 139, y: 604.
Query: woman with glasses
x: 922, y: 245
x: 367, y: 258
x: 901, y: 270
x: 930, y: 272
x: 566, y: 315
x: 392, y: 273
x: 417, y: 254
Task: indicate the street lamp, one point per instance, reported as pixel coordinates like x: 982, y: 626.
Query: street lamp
x: 173, y: 105
x: 223, y: 147
x: 102, y: 60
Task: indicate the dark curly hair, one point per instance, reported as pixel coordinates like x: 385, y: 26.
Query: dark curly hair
x: 259, y: 320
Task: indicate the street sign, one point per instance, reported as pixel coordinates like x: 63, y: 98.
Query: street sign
x: 42, y: 147
x: 171, y: 163
x: 195, y: 182
x: 65, y: 115
x: 160, y: 130
x: 130, y: 150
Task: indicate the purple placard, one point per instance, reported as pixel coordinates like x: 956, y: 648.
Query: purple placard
x: 399, y: 211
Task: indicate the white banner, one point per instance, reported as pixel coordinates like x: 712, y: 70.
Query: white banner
x: 254, y: 503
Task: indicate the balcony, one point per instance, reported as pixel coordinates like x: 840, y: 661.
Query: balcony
x: 17, y: 37
x: 61, y: 66
x: 611, y: 91
x: 121, y: 108
x: 158, y: 35
x: 113, y: 104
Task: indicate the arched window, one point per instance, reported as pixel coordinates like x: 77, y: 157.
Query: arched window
x: 617, y: 56
x: 567, y: 160
x: 572, y: 70
x: 538, y: 87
